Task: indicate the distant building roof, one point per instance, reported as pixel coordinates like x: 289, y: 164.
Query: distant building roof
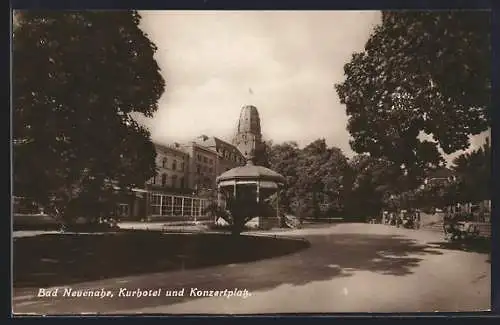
x: 172, y: 148
x: 216, y: 143
x: 442, y: 172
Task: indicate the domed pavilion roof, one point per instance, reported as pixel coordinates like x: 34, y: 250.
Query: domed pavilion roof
x: 251, y: 172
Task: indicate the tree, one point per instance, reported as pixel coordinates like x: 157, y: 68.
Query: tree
x: 420, y: 72
x: 77, y: 78
x: 474, y: 174
x: 315, y: 178
x: 283, y: 158
x: 321, y: 180
x: 436, y: 195
x: 371, y: 181
x: 262, y: 154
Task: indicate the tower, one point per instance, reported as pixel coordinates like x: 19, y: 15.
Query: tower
x: 248, y: 136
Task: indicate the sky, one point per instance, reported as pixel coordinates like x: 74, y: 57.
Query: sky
x: 285, y: 63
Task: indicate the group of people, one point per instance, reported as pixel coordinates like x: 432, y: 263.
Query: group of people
x: 458, y: 224
x: 405, y: 219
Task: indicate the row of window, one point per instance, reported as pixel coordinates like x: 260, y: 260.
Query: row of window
x: 205, y: 159
x: 174, y: 181
x: 226, y: 154
x: 203, y: 169
x: 168, y: 205
x: 174, y: 164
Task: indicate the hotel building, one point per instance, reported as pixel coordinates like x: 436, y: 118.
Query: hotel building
x: 184, y: 172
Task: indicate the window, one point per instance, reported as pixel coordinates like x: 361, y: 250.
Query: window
x: 187, y: 207
x: 174, y: 181
x: 182, y: 166
x: 163, y: 179
x: 163, y: 162
x: 177, y: 206
x: 210, y: 169
x: 123, y: 210
x: 205, y: 160
x: 203, y: 205
x: 211, y: 161
x: 182, y: 182
x: 174, y: 165
x: 199, y: 157
x: 166, y: 205
x: 198, y: 169
x: 153, y: 181
x: 196, y: 207
x: 155, y: 204
x: 160, y: 204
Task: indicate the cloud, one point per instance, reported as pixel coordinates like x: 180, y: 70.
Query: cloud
x: 290, y: 60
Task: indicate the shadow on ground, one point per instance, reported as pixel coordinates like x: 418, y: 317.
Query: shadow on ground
x: 330, y: 256
x: 57, y: 259
x: 482, y: 245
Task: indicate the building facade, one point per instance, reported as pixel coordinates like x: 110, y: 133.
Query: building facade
x: 185, y: 170
x: 182, y: 170
x: 228, y: 156
x: 172, y: 165
x: 202, y: 164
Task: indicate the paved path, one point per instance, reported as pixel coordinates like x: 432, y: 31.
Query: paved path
x: 348, y: 268
x: 32, y: 233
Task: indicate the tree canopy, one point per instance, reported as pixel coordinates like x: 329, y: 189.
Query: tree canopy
x: 322, y: 182
x: 474, y: 174
x: 315, y: 177
x: 77, y: 77
x: 372, y: 180
x: 471, y: 184
x: 421, y: 72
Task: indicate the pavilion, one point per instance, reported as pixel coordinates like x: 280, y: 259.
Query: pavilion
x: 249, y: 186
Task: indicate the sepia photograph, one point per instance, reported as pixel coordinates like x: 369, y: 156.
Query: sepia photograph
x: 204, y: 162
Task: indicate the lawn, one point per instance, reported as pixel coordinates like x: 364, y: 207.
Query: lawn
x: 59, y: 259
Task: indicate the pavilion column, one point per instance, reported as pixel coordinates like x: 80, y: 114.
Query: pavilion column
x: 172, y: 207
x: 234, y: 190
x: 258, y: 192
x: 219, y: 196
x: 199, y: 208
x: 259, y: 217
x: 192, y: 207
x: 278, y: 202
x: 278, y: 207
x: 182, y: 207
x: 148, y: 202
